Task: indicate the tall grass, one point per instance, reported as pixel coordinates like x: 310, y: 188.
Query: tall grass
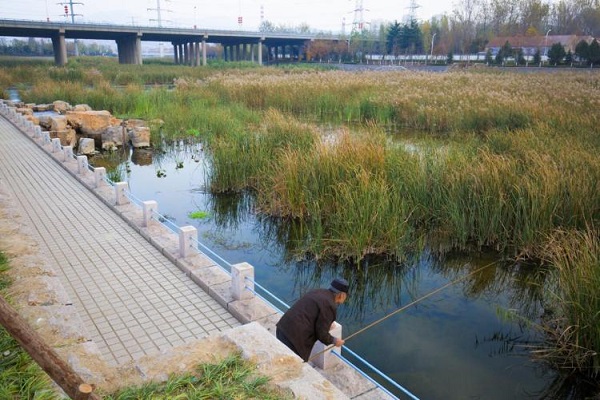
x: 574, y: 328
x: 513, y: 156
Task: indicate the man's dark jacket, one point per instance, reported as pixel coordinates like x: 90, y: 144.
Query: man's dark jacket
x: 309, y: 320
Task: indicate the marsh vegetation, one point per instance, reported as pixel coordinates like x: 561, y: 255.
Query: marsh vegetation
x: 388, y: 163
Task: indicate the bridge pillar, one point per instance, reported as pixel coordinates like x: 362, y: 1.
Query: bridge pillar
x: 260, y: 46
x: 138, y: 49
x: 197, y: 54
x: 175, y: 55
x: 180, y: 53
x: 60, y: 48
x: 130, y: 49
x: 204, y: 51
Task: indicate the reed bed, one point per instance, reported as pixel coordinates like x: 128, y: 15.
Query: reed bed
x: 462, y: 159
x: 502, y: 159
x: 573, y: 325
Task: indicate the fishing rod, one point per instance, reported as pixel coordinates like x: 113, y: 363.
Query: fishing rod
x: 380, y: 320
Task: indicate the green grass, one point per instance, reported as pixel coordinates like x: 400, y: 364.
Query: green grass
x: 232, y: 378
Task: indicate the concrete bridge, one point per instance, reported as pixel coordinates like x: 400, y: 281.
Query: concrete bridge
x: 189, y: 44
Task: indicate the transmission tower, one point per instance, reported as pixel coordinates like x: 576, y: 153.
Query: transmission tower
x: 412, y: 13
x: 159, y: 21
x: 159, y: 11
x: 359, y: 17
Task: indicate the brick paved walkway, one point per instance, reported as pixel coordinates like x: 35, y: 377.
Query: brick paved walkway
x: 133, y: 300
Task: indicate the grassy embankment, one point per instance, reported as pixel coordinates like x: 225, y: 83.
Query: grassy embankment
x: 478, y: 159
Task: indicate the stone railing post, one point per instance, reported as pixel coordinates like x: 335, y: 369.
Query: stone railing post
x: 38, y: 133
x: 56, y: 147
x: 187, y: 235
x: 322, y: 360
x: 120, y: 193
x: 149, y: 208
x: 46, y: 141
x: 82, y: 165
x: 239, y: 273
x: 99, y: 176
x: 68, y: 153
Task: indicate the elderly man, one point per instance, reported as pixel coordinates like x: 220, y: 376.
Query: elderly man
x: 310, y: 319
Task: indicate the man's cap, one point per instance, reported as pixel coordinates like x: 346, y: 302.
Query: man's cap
x: 339, y: 285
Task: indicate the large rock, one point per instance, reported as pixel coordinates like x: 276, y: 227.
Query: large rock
x: 86, y: 146
x: 43, y: 107
x: 135, y: 123
x: 25, y: 110
x: 91, y: 122
x: 57, y: 123
x: 35, y: 120
x: 67, y: 137
x: 139, y: 136
x: 45, y: 122
x: 61, y: 107
x: 82, y: 107
x: 113, y: 136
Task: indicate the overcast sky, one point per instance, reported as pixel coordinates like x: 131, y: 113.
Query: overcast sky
x: 326, y: 15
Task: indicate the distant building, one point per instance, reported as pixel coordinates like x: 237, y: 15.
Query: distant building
x: 531, y: 44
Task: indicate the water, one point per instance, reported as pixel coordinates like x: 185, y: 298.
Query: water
x: 454, y: 345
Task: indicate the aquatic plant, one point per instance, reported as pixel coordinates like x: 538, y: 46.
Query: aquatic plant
x: 573, y: 321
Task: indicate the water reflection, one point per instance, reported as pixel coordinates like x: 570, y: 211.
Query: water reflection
x: 142, y: 157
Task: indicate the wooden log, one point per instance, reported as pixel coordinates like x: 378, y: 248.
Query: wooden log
x: 44, y: 355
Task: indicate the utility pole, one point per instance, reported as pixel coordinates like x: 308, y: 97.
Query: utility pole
x: 69, y: 5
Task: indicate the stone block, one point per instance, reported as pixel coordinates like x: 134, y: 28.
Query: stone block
x: 86, y: 146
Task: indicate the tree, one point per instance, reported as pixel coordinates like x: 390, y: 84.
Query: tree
x: 556, y: 54
x: 520, y: 57
x: 392, y: 40
x: 463, y: 19
x: 411, y: 38
x: 266, y: 26
x: 537, y: 57
x: 569, y: 58
x: 533, y: 14
x: 594, y: 53
x: 590, y: 19
x: 488, y: 57
x: 499, y: 59
x: 582, y: 51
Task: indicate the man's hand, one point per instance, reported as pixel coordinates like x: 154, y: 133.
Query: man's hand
x: 339, y: 342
